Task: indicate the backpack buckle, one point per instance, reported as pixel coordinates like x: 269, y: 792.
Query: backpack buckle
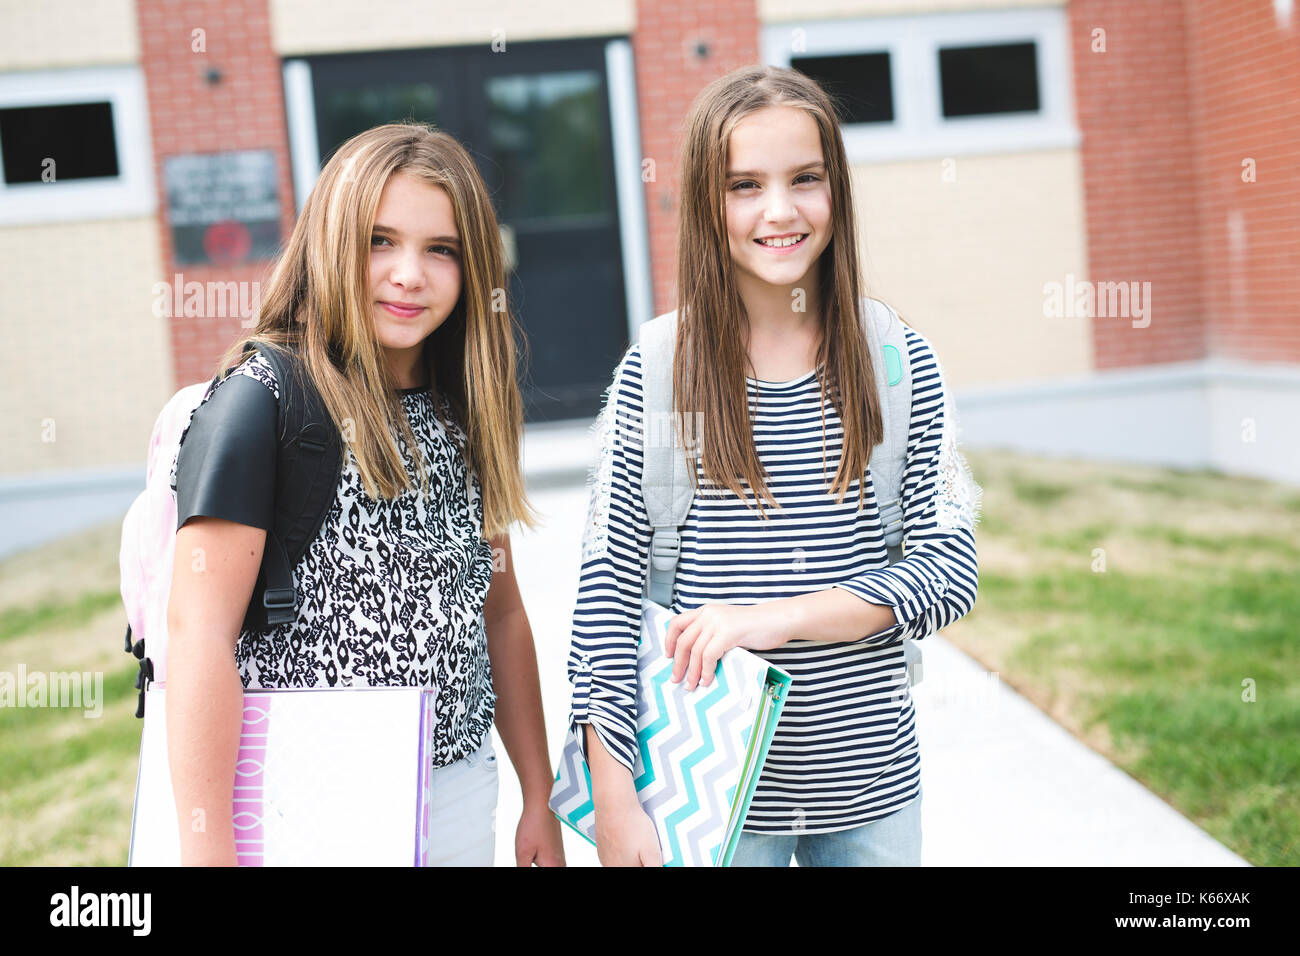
x: 665, y: 547
x: 142, y: 679
x: 279, y: 599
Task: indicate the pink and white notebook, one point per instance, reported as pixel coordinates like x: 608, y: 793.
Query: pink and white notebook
x: 323, y: 778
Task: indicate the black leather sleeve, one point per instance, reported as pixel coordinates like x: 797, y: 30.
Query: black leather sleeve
x: 226, y: 464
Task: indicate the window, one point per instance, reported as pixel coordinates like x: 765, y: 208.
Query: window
x: 859, y: 83
x: 72, y: 141
x: 74, y: 145
x: 941, y: 84
x: 989, y: 79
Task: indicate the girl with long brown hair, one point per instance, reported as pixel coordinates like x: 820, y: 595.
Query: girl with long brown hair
x: 389, y: 299
x: 783, y: 548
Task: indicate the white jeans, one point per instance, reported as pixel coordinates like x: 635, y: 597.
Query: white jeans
x: 463, y: 810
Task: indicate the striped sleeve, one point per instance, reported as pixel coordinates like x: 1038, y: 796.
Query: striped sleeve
x: 936, y: 581
x: 616, y: 541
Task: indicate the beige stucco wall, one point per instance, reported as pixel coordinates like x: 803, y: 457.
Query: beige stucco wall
x: 83, y: 347
x: 65, y: 33
x: 331, y: 26
x: 965, y: 262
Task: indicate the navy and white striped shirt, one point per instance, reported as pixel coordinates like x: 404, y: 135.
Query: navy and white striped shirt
x: 845, y: 751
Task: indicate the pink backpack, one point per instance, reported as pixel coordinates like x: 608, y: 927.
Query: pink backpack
x: 149, y: 539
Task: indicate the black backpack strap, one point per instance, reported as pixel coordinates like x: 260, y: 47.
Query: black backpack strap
x: 308, y: 469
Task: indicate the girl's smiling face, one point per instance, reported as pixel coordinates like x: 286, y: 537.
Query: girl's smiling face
x: 778, y: 199
x: 414, y: 261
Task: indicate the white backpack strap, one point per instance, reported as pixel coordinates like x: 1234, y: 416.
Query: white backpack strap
x: 665, y: 482
x: 888, y: 343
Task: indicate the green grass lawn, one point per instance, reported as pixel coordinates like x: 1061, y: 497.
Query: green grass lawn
x: 1143, y: 609
x: 1134, y: 605
x: 69, y: 780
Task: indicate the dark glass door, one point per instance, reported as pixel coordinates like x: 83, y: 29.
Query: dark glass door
x: 536, y: 120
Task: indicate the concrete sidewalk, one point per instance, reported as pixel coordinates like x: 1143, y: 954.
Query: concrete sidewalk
x: 1004, y: 784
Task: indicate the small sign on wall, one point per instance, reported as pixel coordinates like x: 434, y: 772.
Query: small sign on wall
x: 223, y: 207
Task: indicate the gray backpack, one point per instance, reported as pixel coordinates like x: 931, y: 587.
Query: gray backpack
x: 666, y: 483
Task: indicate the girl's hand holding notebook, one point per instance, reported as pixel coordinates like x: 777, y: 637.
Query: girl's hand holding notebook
x: 699, y: 637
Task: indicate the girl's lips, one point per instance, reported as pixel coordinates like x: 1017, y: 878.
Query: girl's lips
x: 401, y: 312
x: 782, y: 250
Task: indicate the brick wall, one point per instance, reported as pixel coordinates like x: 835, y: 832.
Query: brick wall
x: 1245, y: 94
x: 245, y: 110
x: 1140, y: 189
x: 1185, y: 90
x: 669, y: 72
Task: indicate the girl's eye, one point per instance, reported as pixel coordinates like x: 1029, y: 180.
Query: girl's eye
x: 444, y: 250
x: 750, y: 184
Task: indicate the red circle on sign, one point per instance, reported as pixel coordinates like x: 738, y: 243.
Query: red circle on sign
x: 227, y: 241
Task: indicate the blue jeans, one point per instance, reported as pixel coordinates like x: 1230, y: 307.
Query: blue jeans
x: 894, y: 840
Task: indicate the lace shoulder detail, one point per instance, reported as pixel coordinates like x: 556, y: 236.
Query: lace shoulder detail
x: 608, y: 432
x: 959, y: 498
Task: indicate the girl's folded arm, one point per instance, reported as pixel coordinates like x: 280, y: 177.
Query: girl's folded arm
x: 937, y: 580
x: 607, y: 616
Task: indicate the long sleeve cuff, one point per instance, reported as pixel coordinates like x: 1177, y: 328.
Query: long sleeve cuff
x: 924, y: 592
x: 607, y: 707
x: 910, y: 587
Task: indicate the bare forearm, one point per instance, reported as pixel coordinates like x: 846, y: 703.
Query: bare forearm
x: 519, y: 716
x: 611, y: 782
x: 204, y: 713
x: 833, y: 615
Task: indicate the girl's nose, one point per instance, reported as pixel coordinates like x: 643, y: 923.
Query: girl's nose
x: 779, y: 206
x: 406, y: 271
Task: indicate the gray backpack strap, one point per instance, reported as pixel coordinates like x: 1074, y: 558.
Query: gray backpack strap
x: 665, y: 482
x: 888, y: 343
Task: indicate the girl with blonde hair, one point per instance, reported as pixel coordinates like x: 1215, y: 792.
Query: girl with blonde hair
x: 389, y: 301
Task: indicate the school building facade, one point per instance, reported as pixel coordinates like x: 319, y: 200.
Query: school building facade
x: 1091, y: 207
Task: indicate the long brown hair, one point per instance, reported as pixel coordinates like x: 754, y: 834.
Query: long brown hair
x: 318, y: 304
x: 709, y: 362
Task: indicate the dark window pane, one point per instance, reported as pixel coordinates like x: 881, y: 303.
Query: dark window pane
x: 77, y: 136
x: 544, y: 135
x: 989, y: 79
x: 859, y: 84
x: 345, y: 113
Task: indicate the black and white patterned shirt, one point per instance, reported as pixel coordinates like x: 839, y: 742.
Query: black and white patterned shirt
x: 845, y: 751
x: 391, y: 592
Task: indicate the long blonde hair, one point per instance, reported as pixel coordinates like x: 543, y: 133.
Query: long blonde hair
x: 318, y: 304
x: 709, y: 362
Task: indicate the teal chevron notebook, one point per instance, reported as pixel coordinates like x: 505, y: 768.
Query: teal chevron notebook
x: 699, y: 755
